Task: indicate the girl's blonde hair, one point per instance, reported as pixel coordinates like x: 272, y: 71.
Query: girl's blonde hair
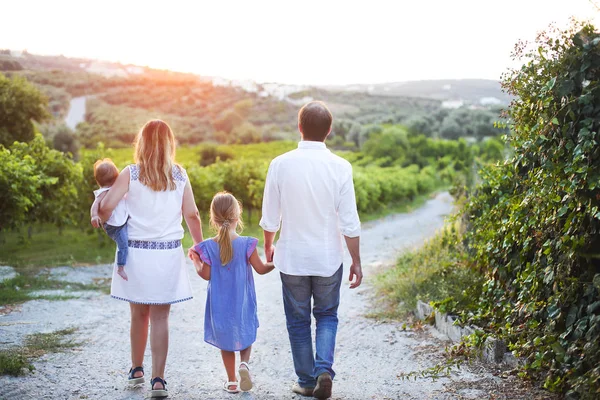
x: 155, y: 155
x: 225, y: 210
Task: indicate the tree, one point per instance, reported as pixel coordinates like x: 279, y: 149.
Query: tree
x: 450, y: 129
x: 391, y: 145
x: 20, y: 103
x: 65, y: 140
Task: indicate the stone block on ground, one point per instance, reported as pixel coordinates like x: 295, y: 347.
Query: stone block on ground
x: 493, y: 350
x: 424, y: 310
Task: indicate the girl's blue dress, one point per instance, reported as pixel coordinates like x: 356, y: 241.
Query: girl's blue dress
x: 230, y: 320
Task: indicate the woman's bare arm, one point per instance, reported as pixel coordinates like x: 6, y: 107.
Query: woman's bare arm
x: 258, y: 265
x: 96, y: 221
x: 114, y: 195
x: 191, y: 214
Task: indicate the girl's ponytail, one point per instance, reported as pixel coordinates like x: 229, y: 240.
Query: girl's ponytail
x: 224, y: 240
x: 224, y: 211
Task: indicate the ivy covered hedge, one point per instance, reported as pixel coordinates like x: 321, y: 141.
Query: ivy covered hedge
x: 534, y: 222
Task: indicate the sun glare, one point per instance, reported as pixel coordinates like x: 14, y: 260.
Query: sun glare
x: 315, y: 42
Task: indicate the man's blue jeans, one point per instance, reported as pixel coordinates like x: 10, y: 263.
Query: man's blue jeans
x: 297, y: 293
x: 120, y: 236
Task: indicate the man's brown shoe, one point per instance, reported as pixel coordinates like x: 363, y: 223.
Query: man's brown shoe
x: 304, y: 391
x: 323, y: 389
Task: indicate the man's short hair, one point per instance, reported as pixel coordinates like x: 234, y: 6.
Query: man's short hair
x: 314, y: 121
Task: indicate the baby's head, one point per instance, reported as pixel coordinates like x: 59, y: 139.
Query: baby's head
x: 105, y: 172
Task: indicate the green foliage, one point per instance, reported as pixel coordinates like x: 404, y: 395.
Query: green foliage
x: 57, y: 186
x: 20, y: 103
x: 210, y: 154
x: 535, y: 220
x: 457, y: 123
x: 14, y: 361
x: 20, y: 180
x: 65, y: 140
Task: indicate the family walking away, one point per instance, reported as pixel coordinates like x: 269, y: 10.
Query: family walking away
x: 141, y: 209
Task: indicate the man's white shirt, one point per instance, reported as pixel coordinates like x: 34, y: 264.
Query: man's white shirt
x: 309, y: 194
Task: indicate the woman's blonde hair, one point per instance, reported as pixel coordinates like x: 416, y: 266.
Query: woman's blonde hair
x: 155, y: 155
x: 225, y: 210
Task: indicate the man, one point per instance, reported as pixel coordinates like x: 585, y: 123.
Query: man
x: 311, y: 193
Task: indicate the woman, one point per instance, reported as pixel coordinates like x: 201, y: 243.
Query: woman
x: 158, y: 194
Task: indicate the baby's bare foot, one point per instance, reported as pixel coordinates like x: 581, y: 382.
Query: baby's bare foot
x: 121, y: 272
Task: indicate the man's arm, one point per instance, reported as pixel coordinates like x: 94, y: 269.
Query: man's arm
x: 96, y: 221
x: 349, y: 223
x: 356, y: 274
x: 271, y: 211
x: 269, y: 248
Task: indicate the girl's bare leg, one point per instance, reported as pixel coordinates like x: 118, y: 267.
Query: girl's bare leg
x: 138, y: 334
x: 245, y: 354
x: 245, y: 379
x: 229, y: 363
x: 159, y: 339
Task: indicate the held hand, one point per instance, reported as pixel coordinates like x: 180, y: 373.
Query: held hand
x: 96, y: 222
x: 356, y: 275
x: 269, y: 253
x: 192, y: 253
x: 198, y: 264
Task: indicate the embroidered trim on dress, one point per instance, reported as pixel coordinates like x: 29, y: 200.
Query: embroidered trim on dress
x: 179, y: 174
x: 134, y: 172
x: 152, y: 245
x: 151, y: 303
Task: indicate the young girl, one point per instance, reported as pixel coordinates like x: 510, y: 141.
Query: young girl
x: 230, y: 320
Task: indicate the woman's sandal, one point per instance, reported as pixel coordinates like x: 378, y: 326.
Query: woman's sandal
x: 226, y: 387
x: 245, y: 380
x: 158, y: 392
x: 136, y: 380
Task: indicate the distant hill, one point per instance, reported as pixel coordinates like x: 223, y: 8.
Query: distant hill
x: 121, y: 97
x: 469, y: 91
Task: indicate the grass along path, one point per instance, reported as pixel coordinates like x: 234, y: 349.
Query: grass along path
x: 17, y: 360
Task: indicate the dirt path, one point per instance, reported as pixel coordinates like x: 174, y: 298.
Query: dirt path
x: 369, y: 354
x: 76, y: 112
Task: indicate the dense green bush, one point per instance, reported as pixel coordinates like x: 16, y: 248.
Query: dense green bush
x: 535, y: 220
x: 37, y: 185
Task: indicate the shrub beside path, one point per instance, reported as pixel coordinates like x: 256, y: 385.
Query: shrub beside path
x: 369, y: 355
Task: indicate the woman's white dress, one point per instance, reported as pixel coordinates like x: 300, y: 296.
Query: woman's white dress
x: 156, y: 262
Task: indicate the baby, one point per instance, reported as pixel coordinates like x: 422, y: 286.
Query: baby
x: 106, y: 173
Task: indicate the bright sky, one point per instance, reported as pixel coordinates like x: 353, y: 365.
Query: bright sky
x: 307, y: 42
